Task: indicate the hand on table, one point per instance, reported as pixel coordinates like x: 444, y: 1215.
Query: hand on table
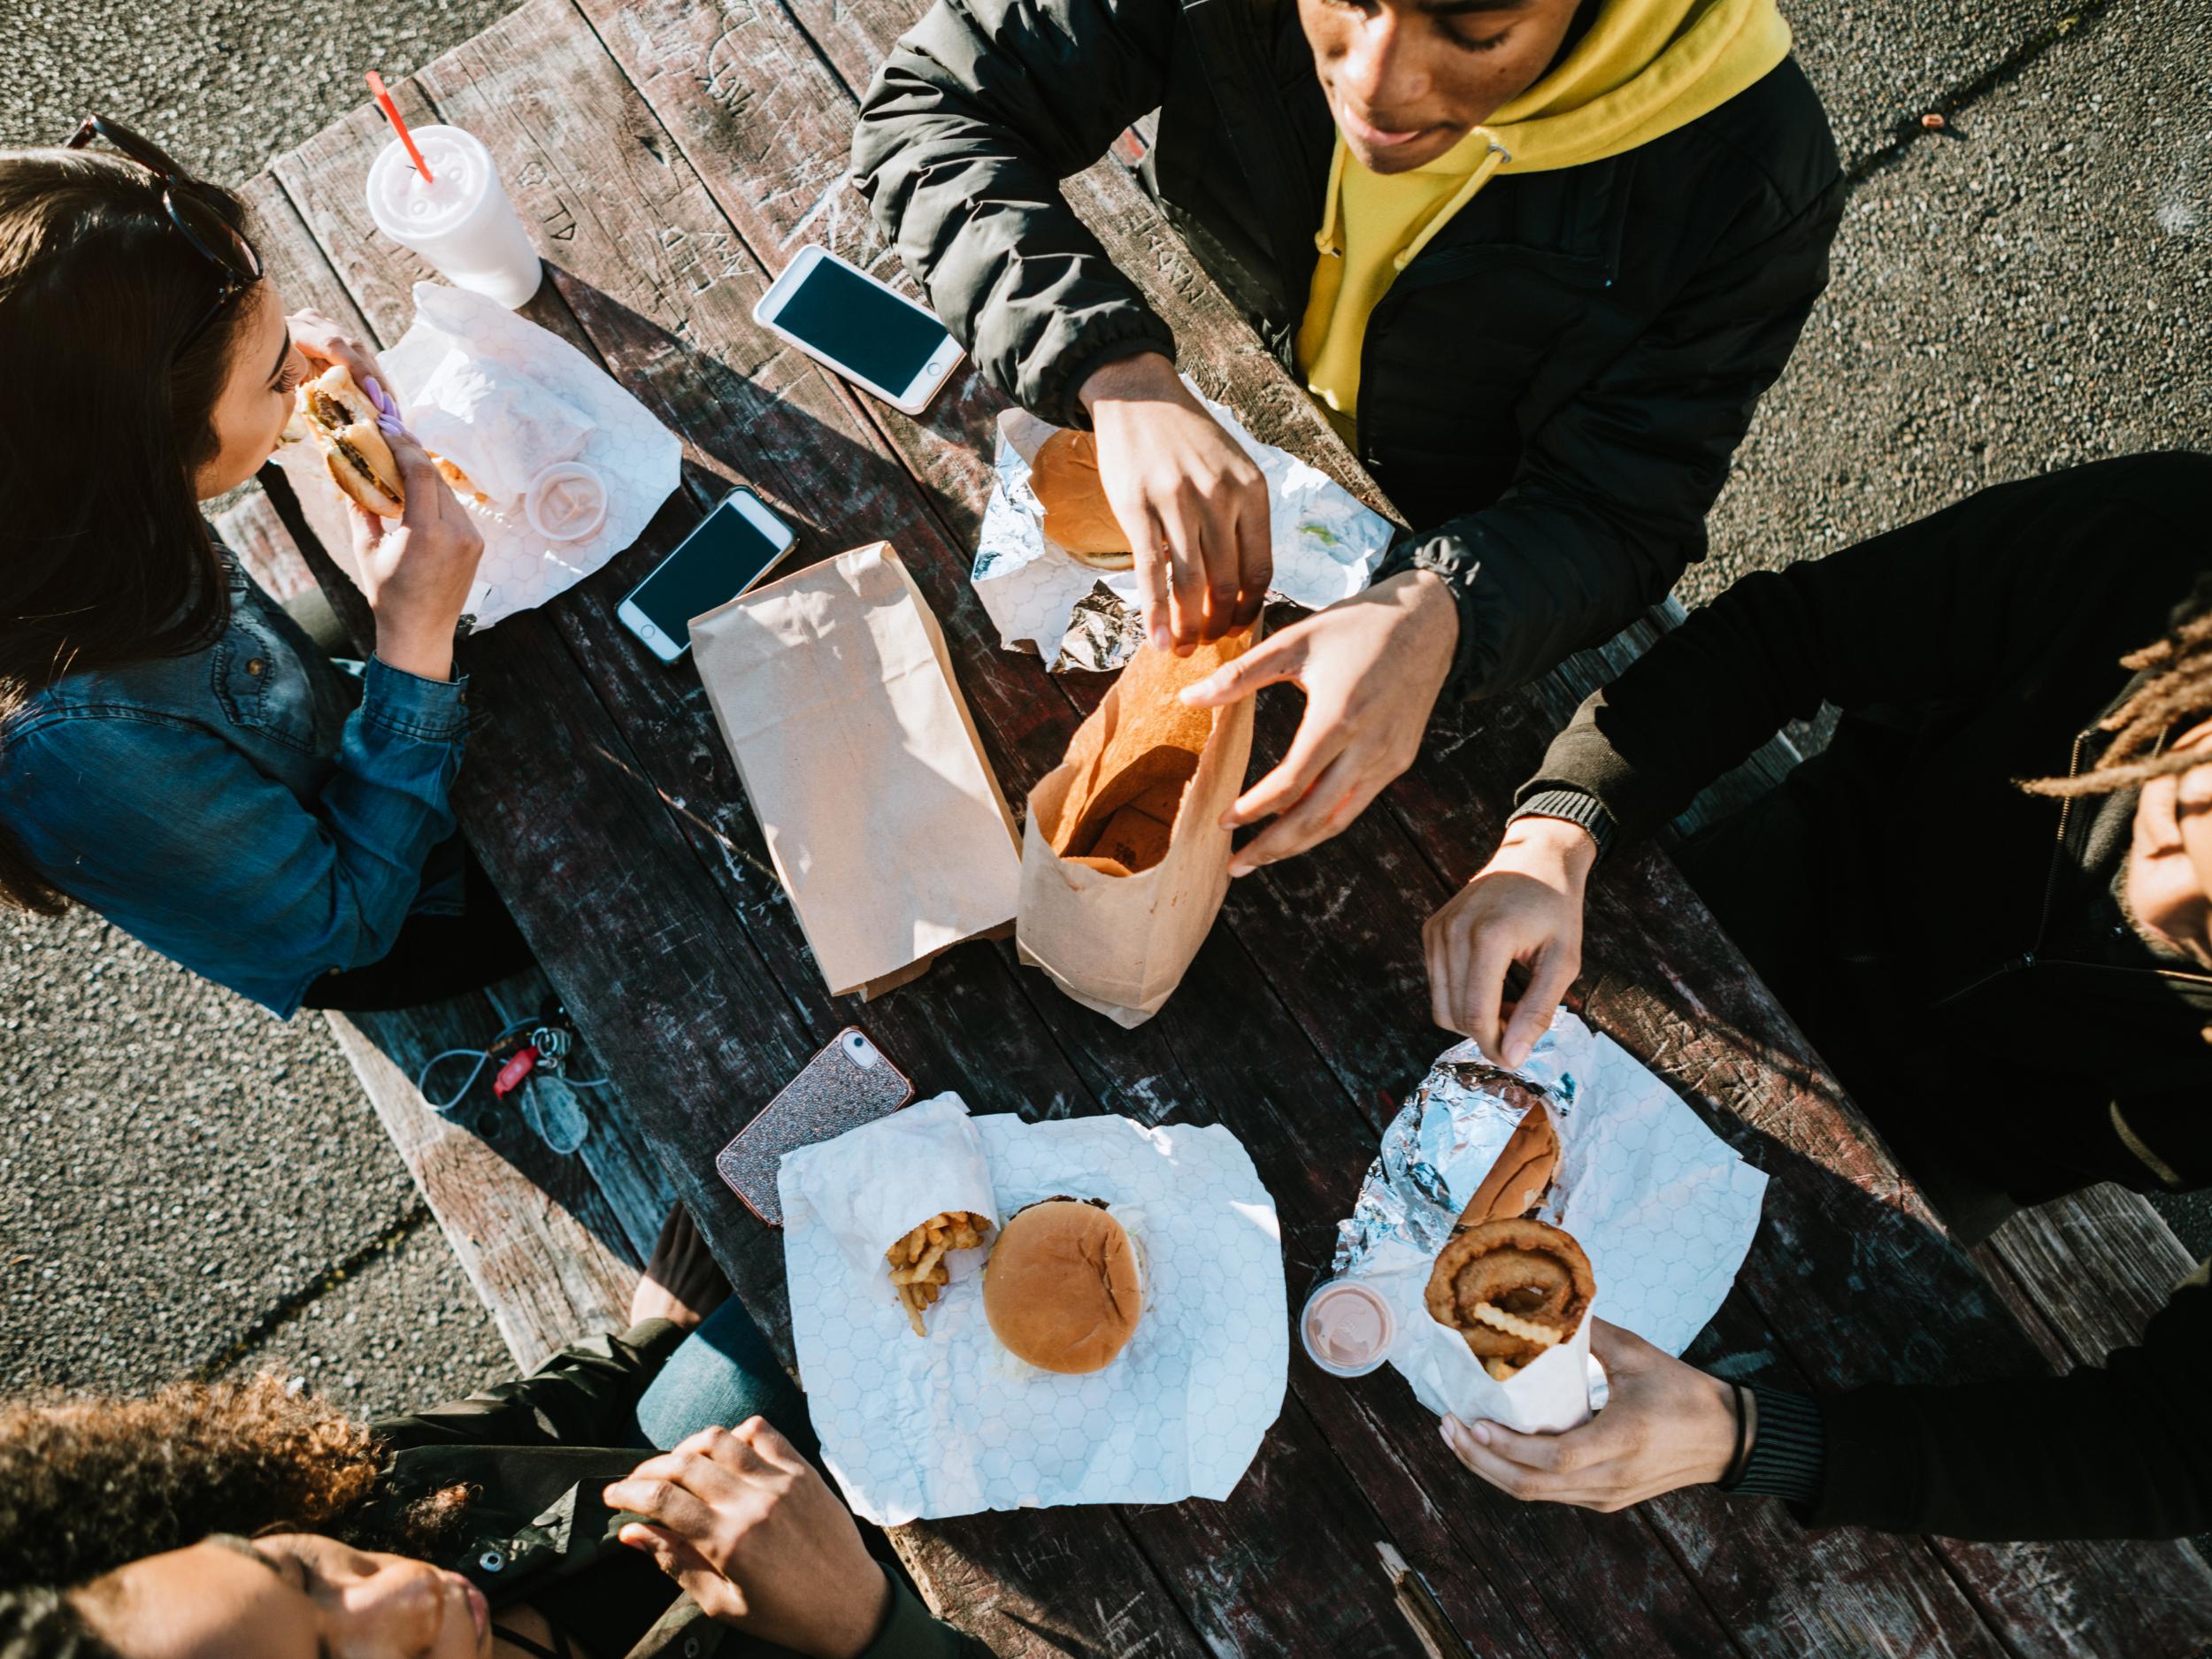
x: 1192, y: 501
x: 682, y: 1283
x: 1370, y: 667
x: 1526, y: 905
x: 757, y: 1538
x: 1666, y: 1425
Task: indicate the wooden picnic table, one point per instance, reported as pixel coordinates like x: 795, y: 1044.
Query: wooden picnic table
x: 671, y: 155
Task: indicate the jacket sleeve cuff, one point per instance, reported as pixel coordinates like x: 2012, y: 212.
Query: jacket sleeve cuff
x: 655, y: 1340
x: 1451, y: 558
x: 1574, y: 806
x: 910, y: 1633
x: 1788, y: 1452
x: 1130, y: 334
x: 430, y: 710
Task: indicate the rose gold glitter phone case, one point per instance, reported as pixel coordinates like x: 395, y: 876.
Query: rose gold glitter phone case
x: 850, y: 1083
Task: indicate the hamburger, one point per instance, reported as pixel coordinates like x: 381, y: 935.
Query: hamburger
x: 338, y: 416
x: 1065, y: 479
x: 1524, y: 1169
x: 1063, y: 1288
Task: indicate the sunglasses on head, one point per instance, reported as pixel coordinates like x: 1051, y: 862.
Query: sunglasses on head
x: 192, y: 214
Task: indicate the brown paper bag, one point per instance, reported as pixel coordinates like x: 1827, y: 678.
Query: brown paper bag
x: 838, y: 701
x: 1125, y: 863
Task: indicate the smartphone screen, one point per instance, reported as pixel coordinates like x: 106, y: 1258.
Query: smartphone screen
x: 873, y: 333
x: 712, y: 567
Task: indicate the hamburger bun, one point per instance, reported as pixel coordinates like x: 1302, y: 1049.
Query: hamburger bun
x: 1525, y: 1169
x: 1065, y: 479
x: 338, y: 416
x: 1061, y: 1288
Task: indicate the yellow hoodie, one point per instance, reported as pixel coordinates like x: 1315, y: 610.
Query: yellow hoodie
x: 1645, y: 68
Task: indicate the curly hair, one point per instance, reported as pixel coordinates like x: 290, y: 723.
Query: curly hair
x: 41, y: 1625
x: 89, y: 1485
x: 2178, y: 694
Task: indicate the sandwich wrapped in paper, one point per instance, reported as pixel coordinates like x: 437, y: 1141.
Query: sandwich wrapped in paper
x: 1125, y: 863
x: 1661, y: 1209
x: 836, y: 696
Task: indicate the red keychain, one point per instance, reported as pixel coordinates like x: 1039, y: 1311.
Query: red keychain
x: 512, y: 1073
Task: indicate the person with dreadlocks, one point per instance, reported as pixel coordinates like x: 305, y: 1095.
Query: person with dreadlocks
x: 529, y: 1521
x: 1988, y: 904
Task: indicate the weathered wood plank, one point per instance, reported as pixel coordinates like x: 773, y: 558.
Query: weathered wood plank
x: 539, y: 1244
x: 252, y: 529
x: 2103, y: 1257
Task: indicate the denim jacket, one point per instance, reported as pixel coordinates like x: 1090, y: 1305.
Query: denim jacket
x: 249, y: 809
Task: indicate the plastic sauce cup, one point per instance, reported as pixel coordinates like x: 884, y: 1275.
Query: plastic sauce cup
x: 1347, y: 1328
x: 565, y: 503
x: 463, y: 221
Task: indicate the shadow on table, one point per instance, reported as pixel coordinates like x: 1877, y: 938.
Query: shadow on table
x: 571, y: 1146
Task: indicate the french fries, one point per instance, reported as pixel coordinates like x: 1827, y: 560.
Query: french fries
x: 918, y: 1261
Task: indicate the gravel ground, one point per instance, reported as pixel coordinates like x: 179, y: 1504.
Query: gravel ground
x: 188, y: 1185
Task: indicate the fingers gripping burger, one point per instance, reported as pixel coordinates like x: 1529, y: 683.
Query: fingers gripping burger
x: 1063, y: 1288
x: 339, y: 416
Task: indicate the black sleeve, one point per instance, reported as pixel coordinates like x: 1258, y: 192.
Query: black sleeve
x: 2118, y: 1450
x: 1609, y: 504
x: 980, y: 112
x: 1961, y: 605
x: 582, y: 1396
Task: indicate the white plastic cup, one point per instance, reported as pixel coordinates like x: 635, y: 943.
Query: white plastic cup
x: 1347, y: 1328
x: 463, y: 221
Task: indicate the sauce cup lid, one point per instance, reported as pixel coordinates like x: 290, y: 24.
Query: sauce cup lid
x: 566, y: 501
x: 1333, y: 1358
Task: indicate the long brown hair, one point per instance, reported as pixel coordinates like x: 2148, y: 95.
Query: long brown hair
x: 106, y: 416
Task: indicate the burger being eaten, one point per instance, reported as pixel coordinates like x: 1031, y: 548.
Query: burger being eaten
x: 339, y: 416
x: 1063, y: 1288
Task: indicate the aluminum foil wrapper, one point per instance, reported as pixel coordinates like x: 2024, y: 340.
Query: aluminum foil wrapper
x: 1326, y: 547
x: 1444, y: 1141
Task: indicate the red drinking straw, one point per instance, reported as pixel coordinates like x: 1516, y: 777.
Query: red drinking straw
x: 391, y: 113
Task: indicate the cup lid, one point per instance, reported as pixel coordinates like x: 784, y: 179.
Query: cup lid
x: 1348, y: 1328
x: 566, y: 502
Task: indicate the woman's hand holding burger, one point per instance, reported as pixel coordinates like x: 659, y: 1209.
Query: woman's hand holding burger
x: 757, y: 1538
x: 415, y: 570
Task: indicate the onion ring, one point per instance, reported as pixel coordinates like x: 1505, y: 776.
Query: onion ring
x: 1529, y: 1269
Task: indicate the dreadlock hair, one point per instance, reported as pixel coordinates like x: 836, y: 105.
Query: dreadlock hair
x: 2178, y: 694
x: 40, y: 1624
x: 91, y: 1485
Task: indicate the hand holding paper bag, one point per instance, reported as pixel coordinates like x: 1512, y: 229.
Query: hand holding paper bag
x: 1125, y: 863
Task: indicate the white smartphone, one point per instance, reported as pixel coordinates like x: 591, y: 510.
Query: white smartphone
x: 732, y: 548
x: 870, y: 334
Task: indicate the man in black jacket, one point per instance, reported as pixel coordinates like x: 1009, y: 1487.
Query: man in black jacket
x: 1546, y: 361
x: 1986, y: 905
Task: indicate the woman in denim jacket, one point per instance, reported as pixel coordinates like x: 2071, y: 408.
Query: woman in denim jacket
x: 174, y: 752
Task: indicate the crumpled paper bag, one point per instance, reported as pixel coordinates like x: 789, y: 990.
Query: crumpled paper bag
x: 914, y: 1427
x: 1326, y: 546
x: 639, y: 458
x: 1663, y: 1208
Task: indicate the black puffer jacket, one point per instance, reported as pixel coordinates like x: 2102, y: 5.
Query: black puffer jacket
x: 1551, y: 391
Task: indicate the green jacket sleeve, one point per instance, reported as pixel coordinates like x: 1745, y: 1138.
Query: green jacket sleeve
x: 911, y: 1633
x: 1609, y: 504
x: 582, y: 1396
x: 2118, y: 1450
x: 1968, y: 603
x: 980, y: 112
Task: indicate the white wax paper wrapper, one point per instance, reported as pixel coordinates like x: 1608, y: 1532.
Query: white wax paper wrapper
x: 638, y: 459
x: 872, y: 1186
x: 914, y: 1428
x: 1326, y: 548
x: 1663, y: 1208
x: 496, y: 423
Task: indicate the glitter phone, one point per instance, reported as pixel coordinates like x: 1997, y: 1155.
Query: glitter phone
x: 848, y: 1084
